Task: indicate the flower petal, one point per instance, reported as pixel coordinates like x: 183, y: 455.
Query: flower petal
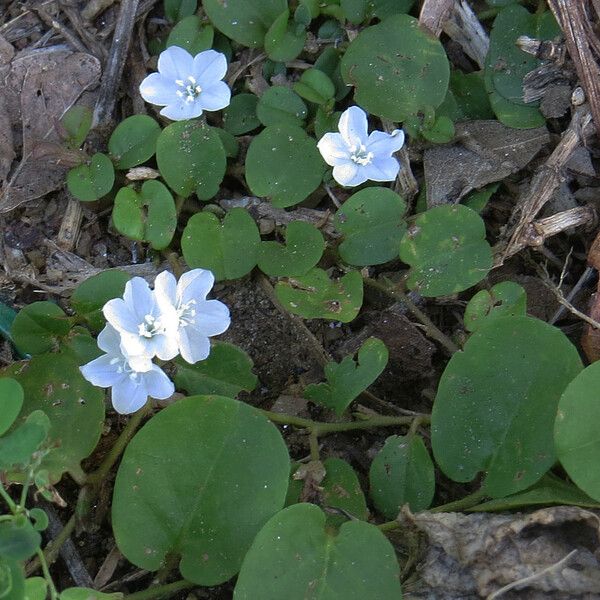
x: 102, y: 372
x: 109, y: 340
x: 129, y: 395
x: 182, y: 110
x: 175, y: 63
x: 212, y: 318
x: 382, y: 169
x: 133, y: 344
x: 157, y: 89
x: 194, y: 285
x: 353, y: 126
x: 334, y: 149
x: 193, y: 345
x: 215, y: 97
x: 157, y: 384
x: 120, y: 316
x: 385, y: 144
x: 140, y: 363
x: 165, y: 346
x: 165, y: 290
x: 209, y: 66
x: 349, y: 174
x: 139, y: 298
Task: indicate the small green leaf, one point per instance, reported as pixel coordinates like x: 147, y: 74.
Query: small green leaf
x: 11, y: 401
x: 402, y: 473
x: 18, y: 446
x: 396, y: 68
x: 77, y: 122
x: 38, y: 516
x: 38, y: 325
x: 315, y: 86
x: 191, y: 158
x: 240, y: 116
x: 315, y: 296
x: 372, y: 222
x: 227, y: 371
x: 18, y: 539
x: 229, y: 248
x: 36, y: 588
x: 347, y: 379
x: 175, y: 10
x: 148, y: 215
x: 505, y: 299
x: 341, y: 490
x: 302, y: 251
x: 354, y: 10
x: 133, y: 141
x: 279, y: 105
x: 497, y: 401
x: 297, y: 557
x: 447, y: 251
x: 440, y: 132
x: 283, y: 41
x: 231, y: 476
x: 192, y: 35
x: 93, y: 180
x: 477, y: 200
x: 79, y: 593
x: 283, y: 164
x: 93, y: 293
x: 12, y: 580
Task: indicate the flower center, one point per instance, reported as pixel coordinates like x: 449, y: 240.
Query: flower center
x: 150, y: 327
x: 124, y: 367
x: 187, y: 313
x: 360, y: 156
x: 190, y: 90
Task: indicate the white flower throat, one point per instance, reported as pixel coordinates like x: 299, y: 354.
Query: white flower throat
x: 190, y: 89
x: 187, y: 313
x: 150, y: 327
x: 124, y: 367
x: 359, y: 155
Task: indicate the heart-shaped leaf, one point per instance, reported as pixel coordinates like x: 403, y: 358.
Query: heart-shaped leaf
x: 240, y: 116
x: 91, y: 181
x: 302, y: 251
x: 37, y: 327
x: 11, y: 401
x: 133, y: 141
x: 284, y: 40
x: 505, y: 299
x: 315, y: 296
x: 346, y: 380
x: 341, y: 490
x: 295, y: 556
x: 192, y: 35
x: 231, y: 476
x: 279, y: 105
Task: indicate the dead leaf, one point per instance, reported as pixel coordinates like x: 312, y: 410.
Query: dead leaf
x: 590, y: 338
x: 39, y: 87
x: 472, y: 556
x: 483, y: 152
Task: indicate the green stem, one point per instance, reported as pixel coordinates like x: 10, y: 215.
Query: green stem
x: 388, y: 526
x: 47, y: 576
x: 53, y: 547
x: 161, y: 591
x: 462, y: 504
x: 313, y: 442
x: 11, y: 505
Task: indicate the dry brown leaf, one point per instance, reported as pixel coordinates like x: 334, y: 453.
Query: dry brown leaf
x: 38, y: 88
x: 590, y: 339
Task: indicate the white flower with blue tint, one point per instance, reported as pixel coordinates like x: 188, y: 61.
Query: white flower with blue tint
x: 187, y: 85
x: 130, y: 387
x: 357, y: 156
x: 198, y: 318
x: 146, y: 329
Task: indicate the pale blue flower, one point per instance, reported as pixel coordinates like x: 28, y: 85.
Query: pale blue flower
x: 357, y: 156
x: 130, y: 387
x: 199, y: 318
x: 187, y: 85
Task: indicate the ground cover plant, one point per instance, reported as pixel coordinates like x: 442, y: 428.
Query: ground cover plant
x: 297, y: 300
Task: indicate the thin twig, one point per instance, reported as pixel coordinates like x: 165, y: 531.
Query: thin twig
x: 59, y: 28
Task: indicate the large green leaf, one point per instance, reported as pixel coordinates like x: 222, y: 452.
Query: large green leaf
x: 296, y: 557
x: 11, y: 401
x: 18, y: 446
x: 18, y: 539
x: 341, y: 490
x: 133, y: 141
x: 37, y: 327
x: 496, y: 404
x: 198, y: 481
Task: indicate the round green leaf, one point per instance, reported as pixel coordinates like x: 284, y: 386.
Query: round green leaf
x: 227, y: 371
x: 79, y: 593
x: 231, y: 476
x: 133, y: 141
x: 245, y: 21
x: 192, y: 35
x: 175, y: 10
x: 504, y: 299
x: 341, y: 490
x: 12, y: 580
x: 147, y: 215
x: 77, y: 122
x: 372, y: 222
x: 296, y: 557
x: 402, y: 473
x: 315, y: 86
x: 36, y: 588
x: 496, y: 404
x: 280, y: 105
x: 11, y: 401
x: 93, y: 293
x: 18, y: 446
x: 240, y: 116
x: 447, y: 250
x: 284, y: 40
x: 91, y: 181
x: 39, y: 518
x: 354, y: 10
x: 302, y: 251
x: 315, y: 296
x: 283, y: 164
x: 397, y: 68
x: 37, y: 326
x: 576, y: 433
x: 229, y: 248
x: 191, y: 158
x: 18, y: 539
x: 53, y: 384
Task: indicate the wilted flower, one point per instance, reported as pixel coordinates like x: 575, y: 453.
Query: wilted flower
x: 130, y: 387
x: 357, y: 156
x: 187, y: 85
x: 199, y: 318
